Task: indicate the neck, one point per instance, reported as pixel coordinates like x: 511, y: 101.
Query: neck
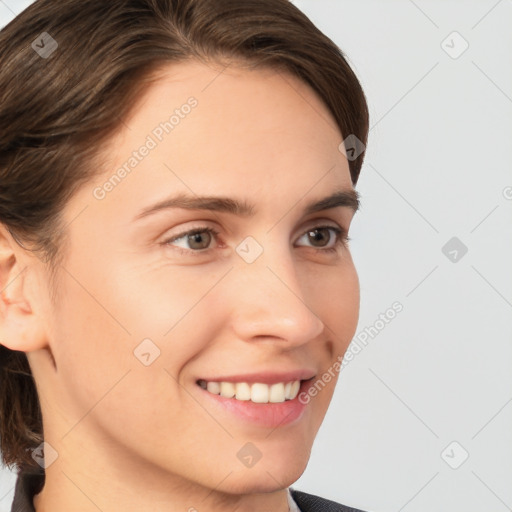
x: 67, y: 490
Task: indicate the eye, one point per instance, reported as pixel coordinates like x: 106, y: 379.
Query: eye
x: 195, y: 238
x: 198, y: 240
x: 319, y: 233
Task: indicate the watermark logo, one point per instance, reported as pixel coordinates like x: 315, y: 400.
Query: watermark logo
x: 249, y: 249
x: 146, y: 352
x: 454, y: 455
x: 249, y: 455
x: 44, y: 45
x: 352, y: 147
x: 45, y: 454
x: 454, y: 249
x: 454, y: 45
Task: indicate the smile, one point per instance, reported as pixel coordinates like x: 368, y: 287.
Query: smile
x: 256, y: 392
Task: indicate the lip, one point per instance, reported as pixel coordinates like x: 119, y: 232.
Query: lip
x: 267, y: 415
x: 267, y: 377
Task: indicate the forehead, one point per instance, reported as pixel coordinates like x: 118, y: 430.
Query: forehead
x: 233, y: 105
x: 205, y: 129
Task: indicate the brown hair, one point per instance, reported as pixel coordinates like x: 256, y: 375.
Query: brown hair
x: 57, y: 111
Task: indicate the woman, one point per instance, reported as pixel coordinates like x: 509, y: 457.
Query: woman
x: 177, y: 184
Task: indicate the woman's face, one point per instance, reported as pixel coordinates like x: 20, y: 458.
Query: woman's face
x: 144, y: 311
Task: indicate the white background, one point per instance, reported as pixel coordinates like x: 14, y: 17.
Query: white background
x: 438, y: 165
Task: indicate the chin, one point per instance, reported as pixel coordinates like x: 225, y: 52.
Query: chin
x: 268, y: 478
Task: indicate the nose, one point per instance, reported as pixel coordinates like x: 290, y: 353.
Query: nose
x: 270, y: 303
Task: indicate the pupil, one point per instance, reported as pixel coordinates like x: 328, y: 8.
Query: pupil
x: 196, y: 237
x: 318, y: 236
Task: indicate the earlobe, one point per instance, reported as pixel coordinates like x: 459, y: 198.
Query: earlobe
x: 20, y: 328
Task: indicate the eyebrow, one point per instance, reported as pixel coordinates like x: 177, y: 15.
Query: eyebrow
x: 347, y: 198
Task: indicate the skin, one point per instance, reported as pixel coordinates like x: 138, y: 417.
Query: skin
x: 133, y: 437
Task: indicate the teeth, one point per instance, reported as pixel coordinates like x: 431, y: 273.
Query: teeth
x: 243, y: 391
x: 258, y: 392
x: 294, y: 389
x: 276, y: 393
x: 213, y: 387
x: 227, y: 389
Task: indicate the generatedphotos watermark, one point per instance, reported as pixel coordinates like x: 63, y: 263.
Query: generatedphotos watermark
x: 157, y: 135
x: 356, y: 346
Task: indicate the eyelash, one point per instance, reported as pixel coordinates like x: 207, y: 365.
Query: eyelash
x: 342, y: 239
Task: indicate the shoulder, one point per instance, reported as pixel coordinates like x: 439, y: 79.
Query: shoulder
x: 311, y: 503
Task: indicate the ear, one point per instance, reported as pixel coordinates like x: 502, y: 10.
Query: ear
x: 20, y: 328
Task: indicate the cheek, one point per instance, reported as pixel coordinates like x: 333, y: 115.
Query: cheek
x: 337, y: 304
x: 103, y: 386
x: 347, y: 306
x: 334, y: 296
x: 92, y: 350
x: 107, y: 315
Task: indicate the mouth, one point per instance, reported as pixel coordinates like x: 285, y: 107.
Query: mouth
x: 269, y: 405
x: 257, y: 392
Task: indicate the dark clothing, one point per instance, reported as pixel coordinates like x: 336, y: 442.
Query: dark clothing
x: 29, y: 484
x: 311, y: 503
